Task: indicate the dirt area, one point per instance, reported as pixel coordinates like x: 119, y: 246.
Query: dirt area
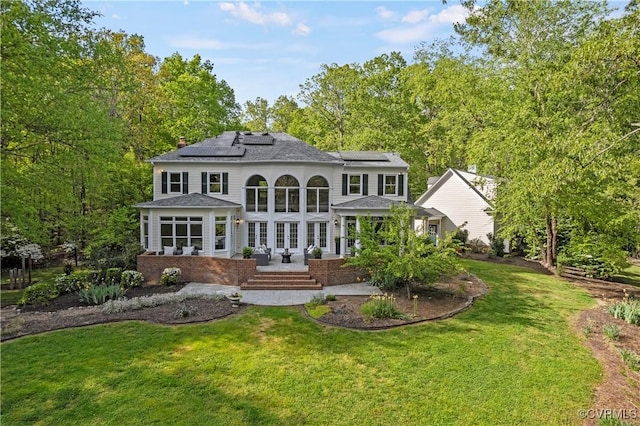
x: 441, y: 301
x: 619, y: 390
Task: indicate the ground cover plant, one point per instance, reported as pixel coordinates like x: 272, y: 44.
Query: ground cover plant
x: 512, y: 359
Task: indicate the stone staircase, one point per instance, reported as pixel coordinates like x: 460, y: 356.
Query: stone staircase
x: 281, y: 280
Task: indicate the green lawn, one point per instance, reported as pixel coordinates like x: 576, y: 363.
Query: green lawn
x: 511, y: 359
x: 631, y: 275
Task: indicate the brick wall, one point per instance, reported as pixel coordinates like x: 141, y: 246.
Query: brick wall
x: 201, y: 269
x: 331, y: 272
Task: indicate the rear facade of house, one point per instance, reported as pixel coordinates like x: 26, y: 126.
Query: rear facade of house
x: 246, y: 189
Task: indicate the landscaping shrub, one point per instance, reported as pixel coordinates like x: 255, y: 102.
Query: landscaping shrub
x: 95, y: 277
x: 70, y: 283
x: 39, y: 294
x: 627, y: 310
x: 386, y: 281
x: 130, y: 279
x: 496, y: 247
x: 381, y: 306
x: 170, y: 276
x: 98, y: 294
x: 185, y: 311
x: 112, y: 276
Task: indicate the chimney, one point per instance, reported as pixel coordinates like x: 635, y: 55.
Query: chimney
x: 182, y: 143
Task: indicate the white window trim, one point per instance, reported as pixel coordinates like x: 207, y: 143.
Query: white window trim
x: 349, y: 176
x: 170, y: 183
x: 209, y: 183
x: 395, y: 185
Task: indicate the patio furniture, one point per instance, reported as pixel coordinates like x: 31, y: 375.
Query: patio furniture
x: 262, y: 259
x: 286, y: 257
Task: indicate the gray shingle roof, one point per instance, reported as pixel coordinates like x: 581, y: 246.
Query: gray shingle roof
x: 188, y: 200
x: 371, y: 202
x: 429, y: 213
x: 284, y: 148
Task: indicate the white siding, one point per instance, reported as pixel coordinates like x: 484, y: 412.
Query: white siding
x: 461, y: 204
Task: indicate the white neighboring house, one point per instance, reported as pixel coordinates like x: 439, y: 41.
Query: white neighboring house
x: 248, y: 189
x: 457, y: 199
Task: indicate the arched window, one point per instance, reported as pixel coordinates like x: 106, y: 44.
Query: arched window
x: 257, y: 194
x: 287, y: 194
x: 317, y: 195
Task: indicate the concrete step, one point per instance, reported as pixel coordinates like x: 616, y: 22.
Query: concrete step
x: 276, y: 277
x: 280, y: 285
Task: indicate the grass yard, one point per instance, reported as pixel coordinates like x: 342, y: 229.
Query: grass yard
x: 511, y: 359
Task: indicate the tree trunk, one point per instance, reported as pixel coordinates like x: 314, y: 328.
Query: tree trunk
x: 549, y: 256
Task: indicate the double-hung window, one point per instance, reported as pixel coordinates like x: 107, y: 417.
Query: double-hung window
x: 390, y: 184
x: 355, y: 184
x: 215, y: 183
x: 175, y: 182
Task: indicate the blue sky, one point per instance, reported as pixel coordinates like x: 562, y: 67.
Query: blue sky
x: 267, y: 49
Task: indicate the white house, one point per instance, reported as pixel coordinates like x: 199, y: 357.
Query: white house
x: 457, y: 199
x: 246, y: 189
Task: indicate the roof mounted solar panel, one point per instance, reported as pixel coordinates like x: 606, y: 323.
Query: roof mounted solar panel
x: 257, y: 140
x: 212, y: 151
x: 363, y: 156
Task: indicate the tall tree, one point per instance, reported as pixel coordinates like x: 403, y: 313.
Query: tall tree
x: 58, y: 128
x: 554, y: 117
x: 194, y: 103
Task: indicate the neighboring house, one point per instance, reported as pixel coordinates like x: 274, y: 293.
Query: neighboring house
x: 243, y: 189
x: 457, y: 199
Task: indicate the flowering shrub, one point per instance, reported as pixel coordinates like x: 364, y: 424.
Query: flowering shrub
x: 112, y: 276
x: 170, y: 276
x: 131, y: 279
x: 39, y: 294
x: 70, y: 283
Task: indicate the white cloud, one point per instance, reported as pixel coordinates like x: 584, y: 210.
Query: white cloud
x: 302, y: 30
x: 115, y: 16
x: 450, y: 15
x: 423, y: 28
x: 254, y: 14
x: 191, y: 42
x: 385, y: 13
x: 415, y: 16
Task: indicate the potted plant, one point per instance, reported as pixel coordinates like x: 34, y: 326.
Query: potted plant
x: 247, y: 252
x: 317, y: 252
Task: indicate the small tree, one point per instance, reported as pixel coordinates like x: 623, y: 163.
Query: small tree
x: 393, y: 254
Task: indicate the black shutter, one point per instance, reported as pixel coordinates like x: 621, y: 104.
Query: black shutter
x: 205, y: 184
x: 345, y: 179
x: 225, y: 183
x: 365, y: 184
x: 185, y: 182
x: 401, y: 185
x: 164, y: 182
x: 380, y: 184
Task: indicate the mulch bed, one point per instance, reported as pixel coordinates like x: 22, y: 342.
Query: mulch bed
x: 442, y: 300
x: 67, y: 311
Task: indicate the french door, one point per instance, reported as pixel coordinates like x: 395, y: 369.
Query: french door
x: 317, y: 235
x: 257, y: 233
x: 287, y: 235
